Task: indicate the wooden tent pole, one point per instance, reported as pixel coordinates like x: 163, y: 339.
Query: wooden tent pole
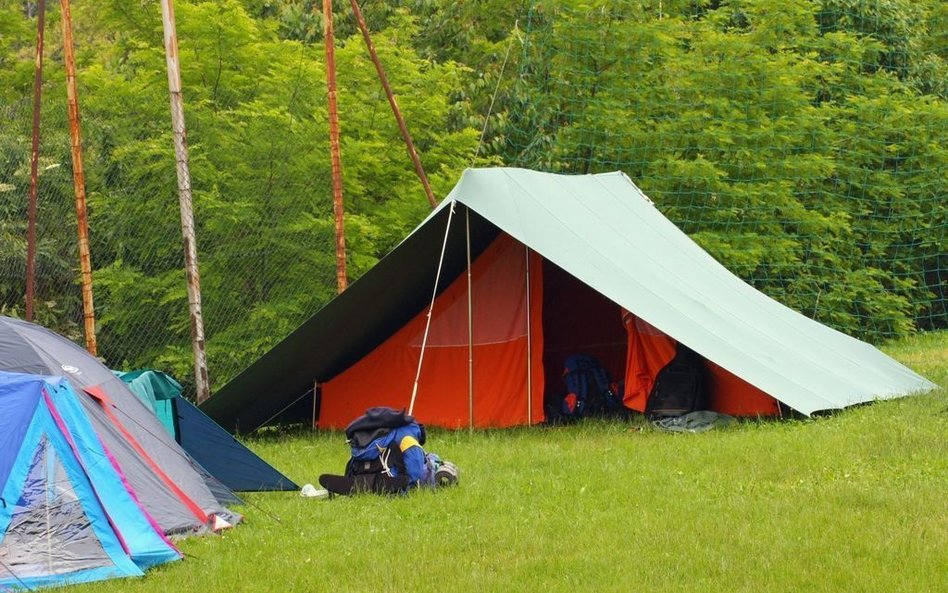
x: 529, y: 341
x: 34, y: 160
x: 315, y: 399
x: 470, y: 323
x: 79, y: 181
x: 406, y: 136
x: 179, y: 132
x: 337, y: 204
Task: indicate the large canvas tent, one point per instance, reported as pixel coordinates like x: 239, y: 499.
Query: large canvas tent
x: 223, y: 456
x: 534, y: 267
x: 176, y: 491
x: 68, y: 515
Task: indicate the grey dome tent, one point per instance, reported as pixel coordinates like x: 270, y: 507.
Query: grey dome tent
x: 180, y: 495
x: 604, y: 234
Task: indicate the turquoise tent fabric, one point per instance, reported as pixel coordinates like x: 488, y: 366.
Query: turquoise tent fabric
x: 156, y: 390
x: 218, y: 452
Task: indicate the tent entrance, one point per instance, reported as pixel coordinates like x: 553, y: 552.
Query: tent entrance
x: 577, y: 320
x: 495, y: 349
x: 49, y: 532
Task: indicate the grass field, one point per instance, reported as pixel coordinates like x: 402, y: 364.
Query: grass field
x: 857, y: 501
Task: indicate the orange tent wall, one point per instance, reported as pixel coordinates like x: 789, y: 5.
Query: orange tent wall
x: 649, y: 350
x: 386, y: 375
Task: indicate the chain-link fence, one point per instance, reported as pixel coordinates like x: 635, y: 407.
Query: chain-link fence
x: 803, y: 144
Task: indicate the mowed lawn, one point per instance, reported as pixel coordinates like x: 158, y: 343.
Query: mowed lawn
x: 856, y: 501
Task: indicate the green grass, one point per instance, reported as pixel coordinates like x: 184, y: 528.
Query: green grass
x: 856, y: 501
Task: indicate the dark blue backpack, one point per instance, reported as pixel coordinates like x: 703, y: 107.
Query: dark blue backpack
x: 590, y: 390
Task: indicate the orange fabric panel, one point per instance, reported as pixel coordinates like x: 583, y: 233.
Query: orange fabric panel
x: 386, y: 375
x: 649, y: 350
x: 732, y: 395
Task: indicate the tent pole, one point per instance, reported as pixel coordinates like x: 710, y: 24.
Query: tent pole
x: 79, y: 180
x: 34, y: 161
x: 470, y: 324
x: 529, y: 343
x: 315, y: 395
x: 406, y: 136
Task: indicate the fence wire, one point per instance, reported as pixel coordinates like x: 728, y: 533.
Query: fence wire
x: 802, y: 144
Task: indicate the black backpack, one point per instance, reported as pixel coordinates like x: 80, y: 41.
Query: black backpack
x: 679, y: 387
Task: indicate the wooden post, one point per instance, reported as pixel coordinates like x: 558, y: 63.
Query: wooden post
x: 412, y: 153
x: 79, y: 181
x: 526, y: 251
x: 34, y: 160
x: 470, y: 321
x: 337, y: 205
x: 184, y: 199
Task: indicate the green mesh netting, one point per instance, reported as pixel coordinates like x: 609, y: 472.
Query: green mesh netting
x: 802, y: 143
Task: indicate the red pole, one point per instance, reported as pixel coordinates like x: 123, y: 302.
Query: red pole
x: 337, y: 206
x: 79, y: 181
x: 34, y: 160
x: 412, y: 153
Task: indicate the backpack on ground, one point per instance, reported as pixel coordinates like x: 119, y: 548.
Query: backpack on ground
x: 377, y: 463
x: 590, y: 390
x: 679, y: 387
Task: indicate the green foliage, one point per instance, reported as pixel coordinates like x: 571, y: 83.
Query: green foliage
x: 794, y: 141
x: 801, y: 143
x: 258, y: 139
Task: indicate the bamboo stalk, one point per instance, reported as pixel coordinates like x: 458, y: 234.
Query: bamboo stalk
x: 337, y: 204
x: 79, y: 181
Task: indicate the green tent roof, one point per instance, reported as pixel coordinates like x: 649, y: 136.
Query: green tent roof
x: 604, y: 231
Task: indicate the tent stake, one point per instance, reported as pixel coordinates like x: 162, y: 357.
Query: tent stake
x: 34, y: 160
x: 79, y: 181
